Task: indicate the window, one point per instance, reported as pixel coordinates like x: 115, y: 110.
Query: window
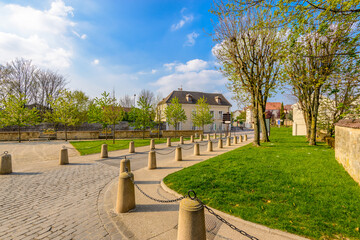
x: 212, y: 113
x: 220, y: 114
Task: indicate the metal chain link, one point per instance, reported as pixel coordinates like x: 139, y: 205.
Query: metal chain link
x: 188, y: 148
x: 154, y: 199
x: 167, y: 152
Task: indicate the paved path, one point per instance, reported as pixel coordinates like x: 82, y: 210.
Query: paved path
x: 42, y: 200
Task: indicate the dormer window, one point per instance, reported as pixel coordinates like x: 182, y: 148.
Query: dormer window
x: 188, y: 97
x: 218, y: 99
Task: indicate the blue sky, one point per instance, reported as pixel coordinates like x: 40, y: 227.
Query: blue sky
x: 99, y: 46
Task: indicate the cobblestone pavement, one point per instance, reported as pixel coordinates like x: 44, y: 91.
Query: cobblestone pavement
x: 55, y: 204
x: 42, y: 200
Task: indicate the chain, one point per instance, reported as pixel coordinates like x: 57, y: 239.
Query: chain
x: 188, y: 148
x: 154, y: 199
x: 167, y: 152
x: 204, y: 144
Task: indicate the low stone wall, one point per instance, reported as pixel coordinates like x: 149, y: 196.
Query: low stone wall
x: 77, y: 135
x: 184, y: 133
x: 13, y: 136
x: 347, y: 146
x: 131, y: 134
x: 83, y: 135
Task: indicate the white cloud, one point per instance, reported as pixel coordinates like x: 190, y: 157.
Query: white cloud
x: 43, y: 36
x: 96, y: 61
x: 181, y: 23
x: 153, y: 71
x: 194, y: 75
x: 83, y: 36
x: 192, y: 65
x: 58, y: 8
x: 191, y: 39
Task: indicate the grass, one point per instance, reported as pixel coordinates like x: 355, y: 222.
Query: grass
x: 91, y: 147
x: 285, y: 184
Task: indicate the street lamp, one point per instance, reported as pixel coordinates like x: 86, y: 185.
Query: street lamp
x: 134, y: 100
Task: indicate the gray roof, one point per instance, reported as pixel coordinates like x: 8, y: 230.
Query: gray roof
x: 210, y: 98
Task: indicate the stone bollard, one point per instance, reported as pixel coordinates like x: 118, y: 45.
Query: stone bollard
x: 228, y: 141
x: 5, y: 164
x: 131, y: 147
x: 235, y: 140
x: 104, y: 151
x: 220, y: 143
x: 152, y: 160
x: 192, y: 138
x: 125, y: 163
x: 178, y: 154
x: 201, y: 137
x: 210, y: 146
x: 126, y: 193
x: 191, y: 223
x: 208, y: 137
x: 240, y: 138
x: 168, y: 142
x: 181, y: 140
x: 152, y: 144
x: 215, y: 137
x: 196, y: 149
x: 245, y: 137
x: 64, y: 157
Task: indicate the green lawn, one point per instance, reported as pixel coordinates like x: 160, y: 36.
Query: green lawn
x: 91, y: 147
x: 285, y: 184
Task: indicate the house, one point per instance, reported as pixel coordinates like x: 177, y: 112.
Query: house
x: 272, y: 108
x: 218, y: 105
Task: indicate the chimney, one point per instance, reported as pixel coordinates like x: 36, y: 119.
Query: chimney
x: 218, y: 99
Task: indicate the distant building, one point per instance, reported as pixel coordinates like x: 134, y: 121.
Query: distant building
x: 218, y: 105
x: 271, y: 107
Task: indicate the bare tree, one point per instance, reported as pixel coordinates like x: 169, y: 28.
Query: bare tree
x: 148, y: 96
x: 21, y: 79
x: 49, y: 85
x: 126, y: 101
x: 249, y: 58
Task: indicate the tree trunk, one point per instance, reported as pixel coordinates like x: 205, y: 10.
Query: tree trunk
x: 19, y: 134
x: 256, y: 125
x: 264, y: 136
x: 314, y: 116
x: 114, y: 133
x: 65, y: 133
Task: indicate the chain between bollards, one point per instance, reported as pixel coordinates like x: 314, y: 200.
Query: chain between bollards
x: 167, y: 152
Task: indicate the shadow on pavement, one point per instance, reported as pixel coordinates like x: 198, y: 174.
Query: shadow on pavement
x: 156, y: 207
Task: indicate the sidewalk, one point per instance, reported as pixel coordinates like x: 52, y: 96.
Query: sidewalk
x: 153, y: 220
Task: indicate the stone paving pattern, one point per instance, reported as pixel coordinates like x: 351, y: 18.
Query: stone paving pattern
x: 56, y: 204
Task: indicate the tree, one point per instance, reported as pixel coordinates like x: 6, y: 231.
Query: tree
x: 174, y: 113
x: 21, y: 79
x: 127, y: 101
x: 105, y: 111
x: 113, y: 114
x: 48, y: 85
x: 282, y: 114
x: 201, y: 116
x: 82, y: 104
x: 143, y: 116
x: 15, y: 113
x: 63, y: 110
x: 147, y: 96
x: 250, y: 57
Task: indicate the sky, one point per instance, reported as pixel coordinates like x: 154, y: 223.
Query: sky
x: 122, y: 46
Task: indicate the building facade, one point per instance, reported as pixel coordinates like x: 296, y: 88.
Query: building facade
x: 218, y: 105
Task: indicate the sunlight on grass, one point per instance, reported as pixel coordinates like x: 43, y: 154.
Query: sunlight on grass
x: 285, y: 184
